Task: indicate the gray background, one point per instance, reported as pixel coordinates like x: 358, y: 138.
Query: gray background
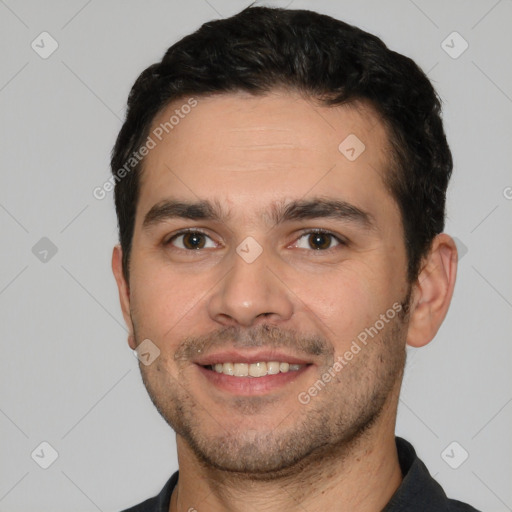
x: 67, y: 374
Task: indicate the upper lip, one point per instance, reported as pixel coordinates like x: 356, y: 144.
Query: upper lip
x: 233, y: 356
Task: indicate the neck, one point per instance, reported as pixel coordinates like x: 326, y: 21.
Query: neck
x: 361, y: 476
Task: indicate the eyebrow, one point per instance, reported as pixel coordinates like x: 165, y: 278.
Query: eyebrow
x: 301, y: 209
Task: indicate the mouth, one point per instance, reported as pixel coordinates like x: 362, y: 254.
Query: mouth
x: 255, y: 374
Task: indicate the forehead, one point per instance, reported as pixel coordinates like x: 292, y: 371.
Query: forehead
x: 242, y: 149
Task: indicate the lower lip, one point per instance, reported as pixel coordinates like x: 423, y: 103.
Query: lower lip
x: 247, y: 386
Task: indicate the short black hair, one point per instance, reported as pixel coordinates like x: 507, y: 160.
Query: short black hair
x: 261, y: 49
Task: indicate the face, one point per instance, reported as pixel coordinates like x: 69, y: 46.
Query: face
x: 268, y: 266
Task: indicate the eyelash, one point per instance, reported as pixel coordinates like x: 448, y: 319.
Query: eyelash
x: 342, y: 242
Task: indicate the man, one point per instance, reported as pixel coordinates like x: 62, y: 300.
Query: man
x: 280, y: 190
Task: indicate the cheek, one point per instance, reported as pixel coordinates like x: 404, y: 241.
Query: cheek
x: 162, y: 301
x: 339, y: 299
x: 347, y: 301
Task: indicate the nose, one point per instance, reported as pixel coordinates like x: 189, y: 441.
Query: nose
x: 250, y: 293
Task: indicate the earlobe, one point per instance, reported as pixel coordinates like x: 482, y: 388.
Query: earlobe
x: 124, y: 291
x: 433, y: 291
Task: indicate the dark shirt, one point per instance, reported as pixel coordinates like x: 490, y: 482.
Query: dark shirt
x: 418, y: 492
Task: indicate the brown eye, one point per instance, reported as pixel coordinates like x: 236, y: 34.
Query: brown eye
x: 319, y: 241
x: 193, y: 240
x: 190, y: 240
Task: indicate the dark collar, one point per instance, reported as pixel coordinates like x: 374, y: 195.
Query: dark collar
x: 418, y: 490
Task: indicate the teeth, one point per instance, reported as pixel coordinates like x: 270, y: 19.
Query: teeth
x: 241, y: 369
x: 227, y: 368
x: 272, y: 368
x: 255, y: 369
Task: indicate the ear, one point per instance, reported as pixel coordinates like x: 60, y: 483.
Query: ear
x: 433, y: 291
x: 124, y: 291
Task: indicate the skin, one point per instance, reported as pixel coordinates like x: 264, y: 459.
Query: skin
x: 268, y: 451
